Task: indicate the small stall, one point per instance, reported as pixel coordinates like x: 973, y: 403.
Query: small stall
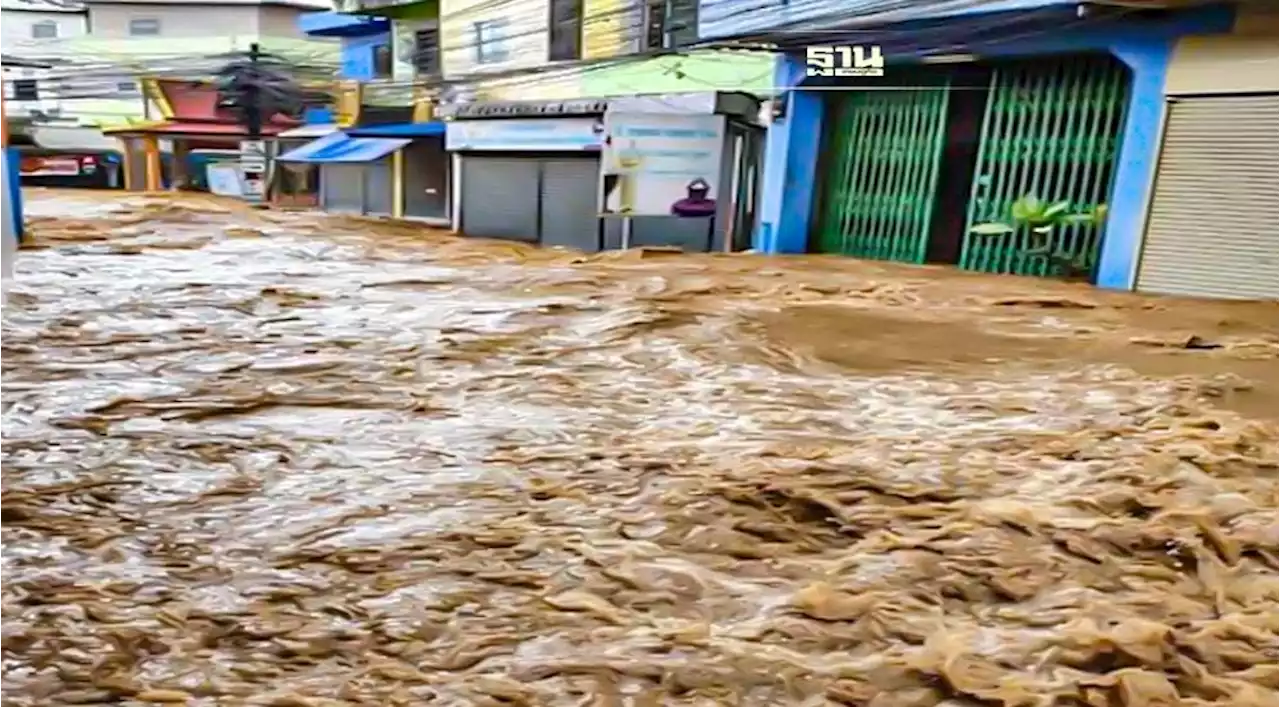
x: 533, y: 172
x: 297, y: 184
x: 192, y: 121
x: 354, y: 173
x: 420, y: 170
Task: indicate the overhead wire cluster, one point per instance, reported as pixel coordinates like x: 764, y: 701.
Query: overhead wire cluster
x: 801, y: 18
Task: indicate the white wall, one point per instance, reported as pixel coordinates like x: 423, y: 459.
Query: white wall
x: 17, y: 24
x: 111, y: 20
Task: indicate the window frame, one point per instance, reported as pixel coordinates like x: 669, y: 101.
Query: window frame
x: 660, y: 16
x: 133, y: 22
x: 383, y: 61
x: 46, y: 24
x: 427, y: 61
x: 566, y: 20
x: 498, y: 52
x: 26, y: 89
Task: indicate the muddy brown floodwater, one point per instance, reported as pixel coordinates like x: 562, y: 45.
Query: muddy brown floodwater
x: 263, y: 458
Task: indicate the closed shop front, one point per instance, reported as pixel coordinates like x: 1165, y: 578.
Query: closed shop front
x: 549, y: 200
x: 1212, y: 221
x: 1212, y: 225
x: 500, y: 197
x: 355, y: 172
x: 423, y: 168
x: 342, y: 188
x: 534, y: 180
x: 426, y: 180
x: 908, y: 175
x: 568, y: 203
x: 379, y: 194
x: 538, y: 180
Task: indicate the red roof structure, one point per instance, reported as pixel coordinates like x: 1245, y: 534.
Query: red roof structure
x: 190, y: 109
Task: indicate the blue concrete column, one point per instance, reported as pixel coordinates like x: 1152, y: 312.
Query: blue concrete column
x: 790, y: 165
x: 1148, y: 59
x: 14, y: 224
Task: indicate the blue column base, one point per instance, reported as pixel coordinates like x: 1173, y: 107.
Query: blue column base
x: 13, y: 182
x: 1148, y: 60
x: 790, y: 167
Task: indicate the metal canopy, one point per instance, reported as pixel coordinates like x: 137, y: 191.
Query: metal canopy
x: 341, y: 148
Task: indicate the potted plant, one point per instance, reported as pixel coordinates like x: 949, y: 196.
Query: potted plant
x: 1044, y: 220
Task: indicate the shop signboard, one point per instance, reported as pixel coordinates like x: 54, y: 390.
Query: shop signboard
x: 661, y: 164
x: 524, y: 135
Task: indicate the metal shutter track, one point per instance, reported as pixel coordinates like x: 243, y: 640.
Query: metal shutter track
x: 1212, y: 231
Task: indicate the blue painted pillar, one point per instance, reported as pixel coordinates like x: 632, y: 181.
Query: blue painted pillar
x: 790, y: 165
x: 13, y: 195
x: 1148, y: 59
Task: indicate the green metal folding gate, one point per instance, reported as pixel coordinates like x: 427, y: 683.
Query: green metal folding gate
x: 1051, y: 130
x: 882, y: 150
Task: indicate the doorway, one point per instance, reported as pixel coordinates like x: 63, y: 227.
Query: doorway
x: 971, y: 86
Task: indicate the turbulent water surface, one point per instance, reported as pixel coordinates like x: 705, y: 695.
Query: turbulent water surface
x: 260, y: 458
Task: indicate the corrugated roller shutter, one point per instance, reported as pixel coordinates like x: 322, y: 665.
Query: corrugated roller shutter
x: 342, y: 188
x: 500, y: 198
x: 379, y: 192
x: 1212, y: 230
x: 570, y: 203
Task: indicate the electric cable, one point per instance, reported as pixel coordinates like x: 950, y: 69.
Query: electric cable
x: 497, y: 78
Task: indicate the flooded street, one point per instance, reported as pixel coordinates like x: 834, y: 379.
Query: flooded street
x: 266, y: 458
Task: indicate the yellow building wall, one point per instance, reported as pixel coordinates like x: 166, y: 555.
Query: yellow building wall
x: 609, y: 28
x: 1245, y: 61
x: 527, y: 43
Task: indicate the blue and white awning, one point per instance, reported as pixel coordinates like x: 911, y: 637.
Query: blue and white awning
x: 342, y: 148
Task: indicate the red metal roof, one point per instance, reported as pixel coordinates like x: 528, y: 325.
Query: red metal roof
x: 193, y: 101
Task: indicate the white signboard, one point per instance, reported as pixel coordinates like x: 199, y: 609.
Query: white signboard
x: 524, y: 134
x: 224, y: 179
x: 661, y: 164
x: 253, y: 155
x: 253, y: 168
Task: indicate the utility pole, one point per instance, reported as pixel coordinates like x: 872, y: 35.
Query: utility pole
x: 253, y: 95
x: 253, y: 150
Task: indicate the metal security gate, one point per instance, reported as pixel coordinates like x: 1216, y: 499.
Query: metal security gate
x: 500, y: 197
x: 568, y: 213
x: 378, y: 190
x: 1051, y: 130
x: 342, y: 188
x: 1212, y: 224
x: 883, y: 149
x: 426, y: 179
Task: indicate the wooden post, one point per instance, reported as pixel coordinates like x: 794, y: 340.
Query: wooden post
x: 397, y: 183
x: 178, y: 175
x: 126, y: 166
x: 155, y: 172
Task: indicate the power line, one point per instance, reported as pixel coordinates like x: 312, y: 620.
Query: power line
x: 179, y: 66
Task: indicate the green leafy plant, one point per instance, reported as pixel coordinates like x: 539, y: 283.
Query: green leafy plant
x: 1042, y: 219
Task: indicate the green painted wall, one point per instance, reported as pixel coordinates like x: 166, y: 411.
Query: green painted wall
x: 693, y: 73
